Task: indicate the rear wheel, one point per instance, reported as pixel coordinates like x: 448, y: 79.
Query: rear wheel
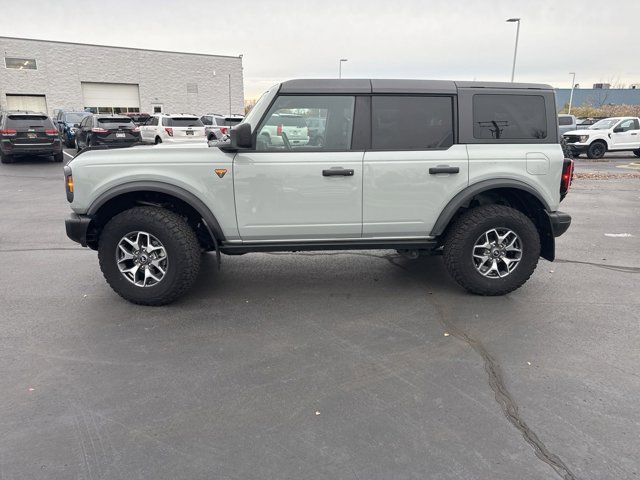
x: 58, y: 157
x: 596, y: 150
x: 4, y: 158
x: 492, y: 250
x: 149, y: 255
x: 158, y: 140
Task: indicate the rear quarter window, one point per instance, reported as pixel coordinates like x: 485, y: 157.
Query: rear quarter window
x: 503, y: 116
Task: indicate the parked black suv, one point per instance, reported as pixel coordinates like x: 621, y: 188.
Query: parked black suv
x: 28, y: 133
x: 109, y: 130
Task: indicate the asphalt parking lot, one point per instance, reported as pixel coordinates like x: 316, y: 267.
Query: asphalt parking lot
x: 360, y: 365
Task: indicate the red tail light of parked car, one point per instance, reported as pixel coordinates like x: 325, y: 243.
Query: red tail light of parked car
x: 567, y: 177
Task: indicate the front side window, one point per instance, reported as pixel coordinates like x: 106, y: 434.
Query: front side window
x: 509, y: 117
x: 287, y: 124
x: 629, y: 124
x: 20, y: 63
x: 411, y: 123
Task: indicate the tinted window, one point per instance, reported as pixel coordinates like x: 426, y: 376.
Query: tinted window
x: 518, y: 117
x: 206, y: 120
x: 183, y: 122
x: 27, y: 121
x: 285, y: 127
x: 228, y: 122
x: 105, y: 121
x: 411, y: 123
x: 565, y: 120
x: 74, y: 117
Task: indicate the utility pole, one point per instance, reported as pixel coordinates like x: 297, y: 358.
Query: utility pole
x: 515, y: 51
x: 573, y: 85
x: 229, y: 94
x: 340, y: 67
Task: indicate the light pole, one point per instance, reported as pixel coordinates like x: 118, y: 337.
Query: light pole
x: 340, y: 67
x: 573, y: 85
x: 515, y: 51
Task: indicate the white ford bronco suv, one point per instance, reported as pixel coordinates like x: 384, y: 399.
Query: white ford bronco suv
x: 469, y: 170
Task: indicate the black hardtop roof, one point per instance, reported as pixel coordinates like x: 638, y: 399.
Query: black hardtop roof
x: 364, y: 86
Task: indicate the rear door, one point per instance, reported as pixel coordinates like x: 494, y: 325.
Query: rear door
x: 300, y: 192
x: 413, y: 168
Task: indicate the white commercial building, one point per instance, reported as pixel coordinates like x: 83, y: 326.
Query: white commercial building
x: 47, y: 76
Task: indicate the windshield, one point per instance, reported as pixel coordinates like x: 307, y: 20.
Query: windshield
x: 605, y: 124
x: 75, y: 117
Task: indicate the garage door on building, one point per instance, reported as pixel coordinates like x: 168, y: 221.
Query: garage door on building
x: 110, y: 97
x: 36, y: 103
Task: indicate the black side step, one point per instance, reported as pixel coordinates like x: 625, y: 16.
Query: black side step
x: 235, y: 249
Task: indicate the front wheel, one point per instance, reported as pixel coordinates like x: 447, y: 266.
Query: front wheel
x: 149, y: 255
x: 637, y: 152
x: 492, y: 250
x: 596, y: 150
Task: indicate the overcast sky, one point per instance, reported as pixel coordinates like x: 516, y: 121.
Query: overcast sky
x: 282, y: 39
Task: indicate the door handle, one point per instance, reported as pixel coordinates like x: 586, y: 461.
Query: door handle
x: 334, y: 172
x: 443, y: 169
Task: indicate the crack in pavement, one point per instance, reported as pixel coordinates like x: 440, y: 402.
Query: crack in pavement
x: 616, y: 268
x: 494, y: 372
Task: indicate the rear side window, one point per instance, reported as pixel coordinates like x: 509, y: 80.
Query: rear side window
x: 411, y: 123
x: 565, y: 120
x: 206, y: 120
x: 516, y: 117
x: 183, y: 122
x: 28, y: 121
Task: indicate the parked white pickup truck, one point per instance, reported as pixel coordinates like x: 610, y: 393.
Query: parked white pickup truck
x: 616, y: 134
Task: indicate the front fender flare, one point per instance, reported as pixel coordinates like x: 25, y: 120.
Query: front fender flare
x: 160, y: 187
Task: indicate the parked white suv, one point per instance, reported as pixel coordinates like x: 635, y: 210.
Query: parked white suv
x: 163, y: 128
x: 217, y: 126
x: 284, y: 127
x: 616, y: 133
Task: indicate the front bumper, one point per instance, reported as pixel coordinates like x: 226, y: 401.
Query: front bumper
x: 77, y: 227
x: 560, y: 222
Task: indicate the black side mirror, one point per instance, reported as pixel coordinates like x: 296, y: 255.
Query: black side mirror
x: 241, y: 137
x: 618, y: 130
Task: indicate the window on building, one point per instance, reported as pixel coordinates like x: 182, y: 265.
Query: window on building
x: 516, y: 117
x: 411, y: 123
x: 20, y: 63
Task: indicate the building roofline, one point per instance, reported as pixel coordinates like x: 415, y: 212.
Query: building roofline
x: 120, y: 48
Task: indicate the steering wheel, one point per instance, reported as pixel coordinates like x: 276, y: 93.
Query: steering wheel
x: 285, y: 141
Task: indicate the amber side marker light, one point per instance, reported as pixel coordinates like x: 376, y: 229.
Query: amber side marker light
x: 70, y: 183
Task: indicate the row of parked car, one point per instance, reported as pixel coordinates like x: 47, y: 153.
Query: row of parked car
x: 83, y: 129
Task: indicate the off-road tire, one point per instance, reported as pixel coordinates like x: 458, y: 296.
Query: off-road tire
x: 6, y: 158
x: 458, y: 248
x: 596, y: 150
x: 58, y: 157
x: 179, y: 240
x: 568, y: 153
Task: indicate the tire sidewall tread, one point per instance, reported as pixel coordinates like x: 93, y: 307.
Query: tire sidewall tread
x: 458, y: 245
x: 179, y: 240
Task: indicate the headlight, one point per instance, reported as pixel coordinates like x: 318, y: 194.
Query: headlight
x: 583, y: 138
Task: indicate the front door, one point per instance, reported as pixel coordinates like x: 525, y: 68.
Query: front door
x: 294, y: 187
x: 413, y: 168
x: 629, y: 136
